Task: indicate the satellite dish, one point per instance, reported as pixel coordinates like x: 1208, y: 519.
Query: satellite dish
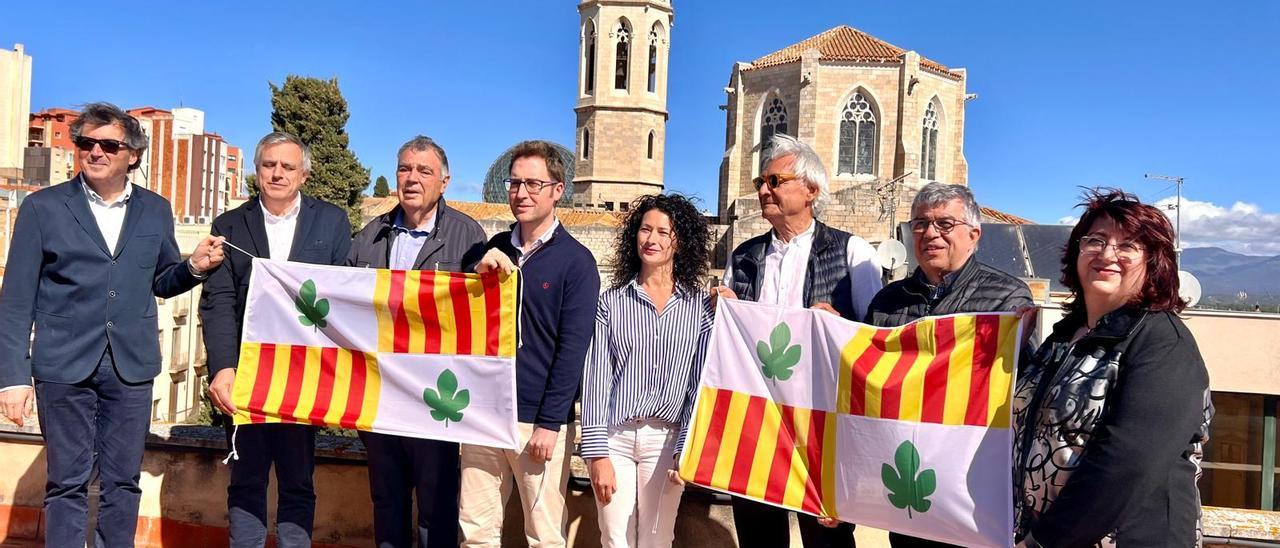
x: 892, y: 254
x: 1188, y: 288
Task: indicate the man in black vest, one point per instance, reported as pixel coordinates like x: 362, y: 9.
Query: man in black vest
x: 800, y: 263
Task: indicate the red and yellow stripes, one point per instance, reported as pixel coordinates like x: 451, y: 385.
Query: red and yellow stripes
x: 755, y: 447
x: 431, y: 312
x: 306, y: 384
x: 955, y: 370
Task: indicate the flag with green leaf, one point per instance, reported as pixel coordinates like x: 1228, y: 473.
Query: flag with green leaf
x: 905, y: 429
x: 380, y: 350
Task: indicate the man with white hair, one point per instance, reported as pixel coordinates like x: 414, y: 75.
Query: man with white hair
x: 945, y: 226
x: 800, y: 263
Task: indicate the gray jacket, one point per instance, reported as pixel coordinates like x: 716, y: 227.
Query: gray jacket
x: 455, y: 245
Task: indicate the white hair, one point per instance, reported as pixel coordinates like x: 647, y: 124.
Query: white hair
x: 807, y: 166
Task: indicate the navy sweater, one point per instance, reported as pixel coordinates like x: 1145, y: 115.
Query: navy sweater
x: 561, y: 286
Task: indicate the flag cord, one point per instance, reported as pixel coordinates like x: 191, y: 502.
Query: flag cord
x: 233, y: 455
x: 657, y: 514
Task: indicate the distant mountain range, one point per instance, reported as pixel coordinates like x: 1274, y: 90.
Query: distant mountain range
x: 1223, y: 274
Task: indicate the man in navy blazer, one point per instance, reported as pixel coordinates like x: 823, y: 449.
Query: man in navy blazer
x: 280, y: 223
x: 87, y: 260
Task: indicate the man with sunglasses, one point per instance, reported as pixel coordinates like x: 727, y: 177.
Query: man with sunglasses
x: 422, y: 233
x: 945, y: 227
x: 88, y: 259
x: 802, y: 262
x: 560, y: 286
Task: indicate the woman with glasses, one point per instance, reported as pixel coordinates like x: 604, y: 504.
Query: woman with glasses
x: 1110, y: 413
x: 642, y: 370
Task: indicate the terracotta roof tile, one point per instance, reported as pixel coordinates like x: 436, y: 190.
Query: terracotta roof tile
x: 845, y: 43
x: 997, y: 216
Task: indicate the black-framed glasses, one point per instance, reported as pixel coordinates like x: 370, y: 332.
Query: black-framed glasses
x: 1127, y: 252
x: 944, y: 225
x: 533, y: 186
x: 109, y: 146
x: 774, y: 180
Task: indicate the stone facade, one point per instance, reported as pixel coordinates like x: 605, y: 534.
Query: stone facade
x: 804, y: 91
x: 621, y: 115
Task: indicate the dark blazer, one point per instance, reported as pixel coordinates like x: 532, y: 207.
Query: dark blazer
x: 81, y: 297
x: 322, y: 236
x: 456, y: 243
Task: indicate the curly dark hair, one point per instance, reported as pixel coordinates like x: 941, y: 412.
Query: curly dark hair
x: 692, y: 241
x: 1149, y: 227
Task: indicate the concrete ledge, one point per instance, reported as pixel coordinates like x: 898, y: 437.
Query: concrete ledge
x: 1235, y: 523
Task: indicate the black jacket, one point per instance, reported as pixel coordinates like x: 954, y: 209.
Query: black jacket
x: 322, y: 236
x: 1108, y: 432
x: 456, y: 243
x: 976, y: 287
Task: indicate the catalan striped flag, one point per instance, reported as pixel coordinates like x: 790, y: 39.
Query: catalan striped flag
x: 905, y: 429
x: 414, y: 353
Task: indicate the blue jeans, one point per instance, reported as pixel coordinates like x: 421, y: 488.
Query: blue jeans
x: 103, y: 421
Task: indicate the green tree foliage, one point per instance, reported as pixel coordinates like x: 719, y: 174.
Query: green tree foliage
x: 380, y: 187
x: 251, y: 182
x: 315, y: 111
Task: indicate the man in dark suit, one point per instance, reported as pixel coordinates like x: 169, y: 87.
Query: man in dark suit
x: 422, y: 233
x: 87, y: 260
x: 281, y: 223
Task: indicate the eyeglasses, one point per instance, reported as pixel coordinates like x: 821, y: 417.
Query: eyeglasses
x: 109, y: 146
x: 774, y: 180
x: 533, y: 186
x: 1126, y: 252
x: 944, y: 225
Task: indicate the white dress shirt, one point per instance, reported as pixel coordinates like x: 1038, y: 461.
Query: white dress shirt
x: 280, y: 229
x: 109, y: 216
x: 786, y: 263
x: 521, y: 254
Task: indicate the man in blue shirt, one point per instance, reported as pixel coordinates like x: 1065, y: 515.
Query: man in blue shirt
x: 422, y: 233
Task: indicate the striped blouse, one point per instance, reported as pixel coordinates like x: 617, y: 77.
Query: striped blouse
x: 641, y: 364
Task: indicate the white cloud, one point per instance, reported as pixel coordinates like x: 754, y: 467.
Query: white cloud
x: 1242, y: 228
x: 1069, y: 220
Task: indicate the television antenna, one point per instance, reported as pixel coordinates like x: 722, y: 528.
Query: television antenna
x: 1177, y: 215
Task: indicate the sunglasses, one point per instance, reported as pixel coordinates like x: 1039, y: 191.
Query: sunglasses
x: 109, y: 146
x: 774, y: 180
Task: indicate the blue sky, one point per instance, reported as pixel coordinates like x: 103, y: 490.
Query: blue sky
x: 1070, y: 93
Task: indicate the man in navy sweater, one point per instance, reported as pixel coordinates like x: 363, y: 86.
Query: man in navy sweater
x: 560, y: 289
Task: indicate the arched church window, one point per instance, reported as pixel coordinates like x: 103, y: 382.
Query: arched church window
x: 653, y: 59
x: 772, y: 123
x: 858, y: 136
x: 586, y: 144
x: 589, y: 54
x: 623, y: 56
x: 650, y: 153
x: 929, y: 143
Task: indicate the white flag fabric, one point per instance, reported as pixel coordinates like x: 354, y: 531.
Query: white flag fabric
x: 414, y: 353
x: 905, y: 429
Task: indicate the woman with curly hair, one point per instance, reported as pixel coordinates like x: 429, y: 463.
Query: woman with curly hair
x: 1110, y: 414
x: 651, y: 335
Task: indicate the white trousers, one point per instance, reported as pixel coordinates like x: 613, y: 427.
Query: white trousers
x: 642, y: 513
